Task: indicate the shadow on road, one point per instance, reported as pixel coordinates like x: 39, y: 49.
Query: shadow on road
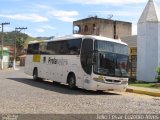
x: 60, y: 88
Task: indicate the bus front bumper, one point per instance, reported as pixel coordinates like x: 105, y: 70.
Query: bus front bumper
x: 94, y: 85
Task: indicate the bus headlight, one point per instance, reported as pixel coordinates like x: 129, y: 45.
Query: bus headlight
x: 98, y: 79
x: 124, y: 82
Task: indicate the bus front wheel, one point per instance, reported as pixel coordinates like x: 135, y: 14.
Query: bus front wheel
x: 72, y: 81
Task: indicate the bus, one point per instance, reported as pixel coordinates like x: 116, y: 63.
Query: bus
x: 84, y: 61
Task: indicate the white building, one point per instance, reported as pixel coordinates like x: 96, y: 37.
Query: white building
x: 5, y: 58
x: 148, y: 43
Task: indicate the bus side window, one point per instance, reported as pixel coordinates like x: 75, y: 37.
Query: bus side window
x: 73, y: 46
x: 33, y: 48
x: 86, y: 55
x: 43, y: 48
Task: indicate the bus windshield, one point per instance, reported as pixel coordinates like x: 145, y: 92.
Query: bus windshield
x: 111, y: 59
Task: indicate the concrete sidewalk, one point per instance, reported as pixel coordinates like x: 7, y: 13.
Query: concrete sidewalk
x: 142, y: 90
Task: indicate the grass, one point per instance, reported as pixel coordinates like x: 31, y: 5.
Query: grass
x: 144, y: 84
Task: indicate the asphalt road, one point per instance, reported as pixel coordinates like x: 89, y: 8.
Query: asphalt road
x: 19, y: 94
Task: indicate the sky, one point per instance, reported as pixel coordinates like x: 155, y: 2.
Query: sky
x: 55, y: 17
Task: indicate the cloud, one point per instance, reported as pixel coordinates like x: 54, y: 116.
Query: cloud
x: 40, y: 30
x: 48, y: 27
x: 66, y: 16
x: 63, y: 15
x: 134, y: 29
x: 30, y: 17
x: 44, y: 28
x: 107, y: 1
x: 41, y: 6
x: 67, y: 19
x: 13, y: 0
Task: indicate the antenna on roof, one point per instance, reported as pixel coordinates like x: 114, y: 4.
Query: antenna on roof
x: 93, y: 16
x: 110, y: 16
x: 96, y: 16
x: 90, y: 16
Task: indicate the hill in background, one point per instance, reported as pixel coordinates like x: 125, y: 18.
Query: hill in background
x: 22, y: 39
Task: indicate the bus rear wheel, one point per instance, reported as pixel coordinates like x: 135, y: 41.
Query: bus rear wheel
x: 72, y: 81
x: 35, y: 75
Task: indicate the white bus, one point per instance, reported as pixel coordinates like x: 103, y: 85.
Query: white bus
x: 84, y: 61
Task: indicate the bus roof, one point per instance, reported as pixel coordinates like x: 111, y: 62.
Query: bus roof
x: 80, y: 36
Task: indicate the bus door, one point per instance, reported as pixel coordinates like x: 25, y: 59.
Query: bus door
x: 86, y: 61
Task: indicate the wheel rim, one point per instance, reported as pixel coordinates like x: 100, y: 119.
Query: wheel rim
x: 72, y: 82
x: 35, y: 75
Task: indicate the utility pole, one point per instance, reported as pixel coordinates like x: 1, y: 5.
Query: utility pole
x: 2, y: 37
x: 17, y: 30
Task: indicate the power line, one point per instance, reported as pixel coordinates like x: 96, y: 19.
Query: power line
x: 2, y: 37
x: 17, y: 29
x: 20, y: 29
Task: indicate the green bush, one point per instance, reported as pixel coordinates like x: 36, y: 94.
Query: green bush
x: 158, y: 72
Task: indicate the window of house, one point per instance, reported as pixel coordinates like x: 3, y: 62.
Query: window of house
x: 86, y: 28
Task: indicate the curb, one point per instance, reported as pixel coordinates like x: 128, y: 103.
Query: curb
x: 155, y: 94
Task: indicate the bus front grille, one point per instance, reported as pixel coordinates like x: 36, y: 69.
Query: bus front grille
x: 113, y: 81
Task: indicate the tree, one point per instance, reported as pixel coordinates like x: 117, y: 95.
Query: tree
x: 10, y: 37
x: 20, y: 40
x: 158, y: 74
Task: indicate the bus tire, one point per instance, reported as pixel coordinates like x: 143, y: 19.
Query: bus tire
x: 35, y: 75
x: 72, y: 81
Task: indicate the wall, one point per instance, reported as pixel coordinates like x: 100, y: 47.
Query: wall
x: 147, y: 61
x: 103, y: 27
x: 123, y: 29
x: 106, y: 28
